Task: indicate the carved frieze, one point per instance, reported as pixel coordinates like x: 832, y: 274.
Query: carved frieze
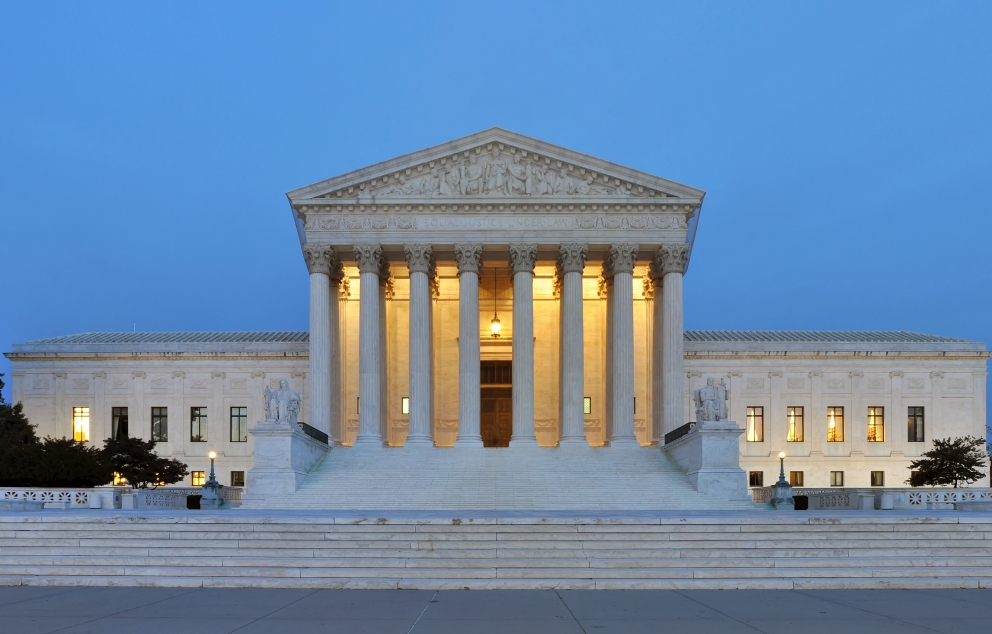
x: 344, y: 221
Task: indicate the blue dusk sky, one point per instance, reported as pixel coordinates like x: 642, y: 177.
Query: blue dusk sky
x: 146, y: 148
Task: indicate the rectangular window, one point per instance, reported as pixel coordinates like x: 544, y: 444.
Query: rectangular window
x: 199, y: 479
x: 795, y: 415
x: 876, y: 424
x: 756, y: 424
x: 916, y: 424
x: 878, y: 478
x: 835, y: 424
x: 118, y: 423
x: 836, y: 478
x: 239, y: 424
x: 198, y: 424
x: 237, y: 478
x: 81, y: 424
x: 796, y: 478
x: 160, y: 424
x: 587, y: 405
x: 756, y: 478
x: 405, y: 405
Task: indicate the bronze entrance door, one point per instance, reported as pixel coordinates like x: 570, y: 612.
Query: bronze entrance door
x: 497, y: 416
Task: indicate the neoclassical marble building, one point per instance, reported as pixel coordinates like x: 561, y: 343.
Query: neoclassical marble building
x: 498, y: 291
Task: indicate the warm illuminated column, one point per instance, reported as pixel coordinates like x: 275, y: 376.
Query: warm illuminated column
x: 318, y: 258
x: 673, y: 259
x: 336, y: 433
x: 657, y: 337
x: 572, y: 261
x: 385, y: 293
x: 419, y: 260
x: 469, y: 258
x: 369, y: 258
x: 523, y: 257
x: 621, y: 268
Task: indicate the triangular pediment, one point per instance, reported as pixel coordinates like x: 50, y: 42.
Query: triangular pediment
x: 494, y: 164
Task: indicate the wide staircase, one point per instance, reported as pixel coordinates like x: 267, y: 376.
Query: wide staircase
x: 578, y: 479
x: 744, y: 549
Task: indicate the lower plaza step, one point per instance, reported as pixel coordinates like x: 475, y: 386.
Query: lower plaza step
x: 477, y: 550
x: 576, y: 479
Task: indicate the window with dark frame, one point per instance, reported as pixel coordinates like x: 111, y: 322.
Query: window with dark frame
x: 239, y: 424
x: 916, y: 433
x: 587, y: 405
x: 198, y: 478
x: 878, y: 478
x: 836, y: 478
x: 237, y: 478
x: 796, y: 478
x: 835, y: 424
x: 160, y: 424
x: 118, y: 423
x: 198, y: 424
x: 876, y: 424
x: 81, y: 424
x: 755, y: 424
x: 756, y: 478
x: 795, y: 418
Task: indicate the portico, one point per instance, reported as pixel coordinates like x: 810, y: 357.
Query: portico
x: 564, y: 235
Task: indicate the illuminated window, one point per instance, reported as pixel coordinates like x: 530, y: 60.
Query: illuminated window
x: 160, y: 424
x: 878, y: 478
x: 118, y: 423
x: 876, y: 424
x: 587, y: 405
x: 237, y: 478
x: 405, y: 405
x: 795, y: 415
x: 198, y: 424
x: 199, y: 479
x: 836, y: 478
x: 81, y: 424
x: 835, y: 424
x: 915, y: 424
x: 239, y: 424
x: 756, y: 424
x: 796, y: 478
x: 756, y: 478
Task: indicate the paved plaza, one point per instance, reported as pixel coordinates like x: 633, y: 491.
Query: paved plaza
x: 252, y: 611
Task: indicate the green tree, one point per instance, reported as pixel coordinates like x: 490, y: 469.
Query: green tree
x: 952, y: 460
x: 66, y: 463
x: 136, y: 461
x: 20, y: 450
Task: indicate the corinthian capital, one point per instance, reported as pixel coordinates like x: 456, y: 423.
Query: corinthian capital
x: 673, y: 258
x: 523, y: 257
x: 620, y: 260
x: 319, y: 258
x: 572, y: 257
x: 369, y: 257
x: 468, y: 257
x: 419, y: 257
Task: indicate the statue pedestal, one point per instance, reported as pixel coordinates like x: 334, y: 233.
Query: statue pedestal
x: 283, y: 457
x: 710, y: 456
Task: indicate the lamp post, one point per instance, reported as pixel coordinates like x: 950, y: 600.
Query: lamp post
x: 782, y: 490
x: 213, y: 491
x: 781, y: 468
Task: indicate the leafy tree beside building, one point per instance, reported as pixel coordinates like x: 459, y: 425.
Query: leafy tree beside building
x: 951, y: 461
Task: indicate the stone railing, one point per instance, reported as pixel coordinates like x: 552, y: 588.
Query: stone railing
x: 900, y: 498
x: 67, y: 498
x: 231, y: 494
x: 154, y: 499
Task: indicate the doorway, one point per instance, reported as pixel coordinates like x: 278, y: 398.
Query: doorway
x: 497, y: 403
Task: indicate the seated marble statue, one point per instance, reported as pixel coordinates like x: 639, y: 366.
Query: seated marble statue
x: 711, y: 401
x: 283, y: 404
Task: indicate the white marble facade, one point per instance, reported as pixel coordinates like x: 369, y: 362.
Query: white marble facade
x: 409, y: 260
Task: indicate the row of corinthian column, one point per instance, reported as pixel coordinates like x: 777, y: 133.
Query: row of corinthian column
x: 665, y: 284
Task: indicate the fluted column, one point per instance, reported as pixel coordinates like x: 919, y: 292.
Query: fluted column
x: 336, y: 433
x: 523, y: 257
x: 621, y: 269
x: 419, y: 260
x: 469, y: 258
x: 369, y: 257
x: 385, y: 400
x: 572, y: 261
x: 318, y: 258
x: 672, y: 260
x: 657, y: 337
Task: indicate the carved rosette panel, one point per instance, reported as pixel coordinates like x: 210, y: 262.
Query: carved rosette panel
x: 523, y: 257
x: 468, y: 257
x: 318, y: 257
x: 419, y: 258
x: 368, y: 257
x: 572, y: 257
x: 673, y: 258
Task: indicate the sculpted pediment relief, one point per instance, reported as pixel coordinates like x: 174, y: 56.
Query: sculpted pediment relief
x: 495, y: 164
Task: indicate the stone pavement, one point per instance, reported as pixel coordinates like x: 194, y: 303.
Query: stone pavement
x: 31, y: 610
